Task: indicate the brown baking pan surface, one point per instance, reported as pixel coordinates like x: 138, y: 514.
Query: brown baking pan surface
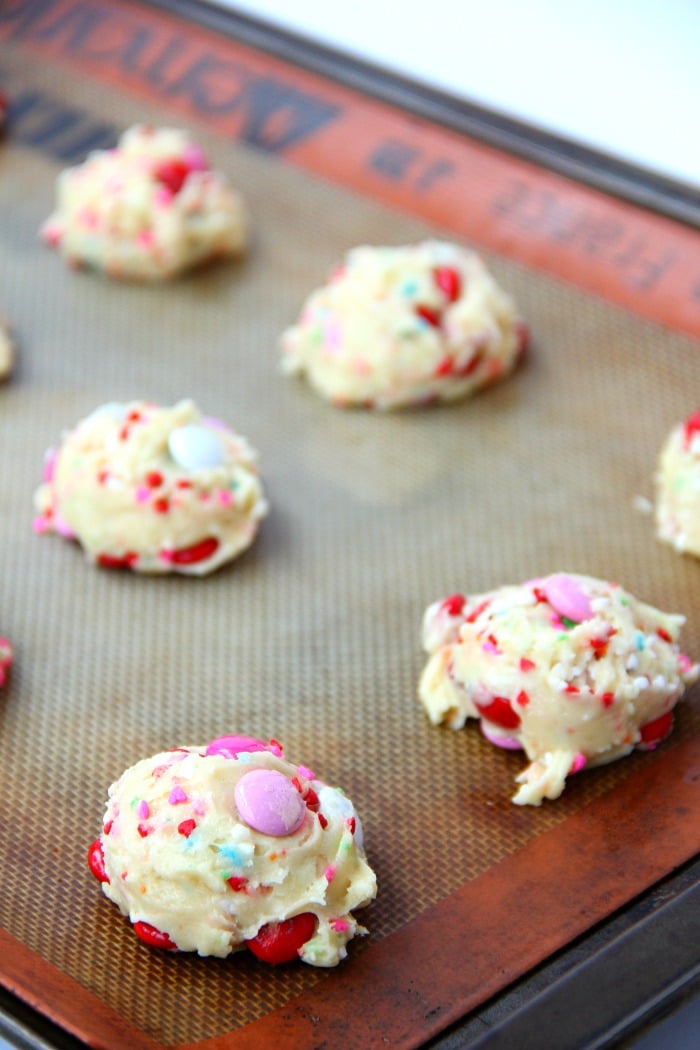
x: 313, y: 636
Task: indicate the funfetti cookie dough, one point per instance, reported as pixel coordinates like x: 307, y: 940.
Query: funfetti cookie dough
x: 7, y: 349
x: 147, y: 210
x: 230, y: 846
x: 405, y: 326
x: 678, y: 488
x: 573, y: 670
x: 152, y: 489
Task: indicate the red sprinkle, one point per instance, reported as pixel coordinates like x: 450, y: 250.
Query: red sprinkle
x: 454, y: 604
x: 663, y: 634
x: 172, y: 173
x: 599, y: 647
x: 692, y: 426
x: 154, y: 479
x: 607, y: 699
x: 322, y: 821
x: 198, y: 552
x: 522, y: 698
x: 444, y: 366
x: 500, y: 713
x: 654, y: 732
x: 161, y: 505
x: 238, y: 883
x: 311, y: 800
x: 154, y: 937
x: 429, y: 314
x: 96, y: 861
x: 144, y: 830
x: 572, y: 690
x: 186, y: 827
x: 108, y: 827
x: 351, y: 823
x: 280, y: 942
x: 526, y: 665
x: 449, y: 281
x: 471, y: 365
x: 477, y: 611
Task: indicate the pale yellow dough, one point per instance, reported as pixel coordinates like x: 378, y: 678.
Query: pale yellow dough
x: 398, y: 326
x: 573, y: 670
x: 154, y: 489
x: 678, y: 488
x: 7, y: 350
x: 179, y: 856
x: 147, y: 210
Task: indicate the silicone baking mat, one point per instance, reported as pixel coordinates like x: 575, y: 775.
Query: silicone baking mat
x: 313, y: 636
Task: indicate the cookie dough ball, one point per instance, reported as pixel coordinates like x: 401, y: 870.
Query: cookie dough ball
x: 405, y: 326
x: 7, y: 349
x: 152, y: 489
x: 678, y: 488
x: 147, y: 210
x: 573, y: 670
x: 5, y: 659
x: 230, y: 846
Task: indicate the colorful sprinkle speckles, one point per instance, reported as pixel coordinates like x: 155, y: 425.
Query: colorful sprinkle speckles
x: 203, y: 847
x: 411, y: 325
x: 116, y: 466
x: 573, y: 670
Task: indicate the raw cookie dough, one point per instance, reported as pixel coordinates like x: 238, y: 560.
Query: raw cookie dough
x: 152, y: 489
x: 403, y: 326
x: 218, y: 848
x: 147, y: 210
x: 7, y: 349
x: 574, y: 670
x: 678, y: 488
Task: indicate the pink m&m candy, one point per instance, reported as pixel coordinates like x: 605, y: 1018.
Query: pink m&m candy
x: 268, y: 802
x: 566, y: 597
x: 231, y: 746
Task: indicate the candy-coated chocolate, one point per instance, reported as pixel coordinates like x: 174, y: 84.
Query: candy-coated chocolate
x: 232, y: 746
x: 194, y: 447
x: 564, y: 594
x: 280, y: 942
x: 269, y: 803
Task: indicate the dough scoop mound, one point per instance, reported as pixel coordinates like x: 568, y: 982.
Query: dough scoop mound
x: 678, y: 488
x: 230, y: 846
x: 152, y: 489
x: 147, y: 210
x: 575, y: 671
x: 405, y: 326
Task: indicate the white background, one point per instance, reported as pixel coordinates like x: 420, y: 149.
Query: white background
x: 620, y: 75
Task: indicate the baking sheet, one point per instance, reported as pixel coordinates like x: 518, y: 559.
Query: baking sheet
x: 314, y: 635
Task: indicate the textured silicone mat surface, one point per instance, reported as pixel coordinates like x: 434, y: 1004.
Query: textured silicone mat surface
x: 314, y: 635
